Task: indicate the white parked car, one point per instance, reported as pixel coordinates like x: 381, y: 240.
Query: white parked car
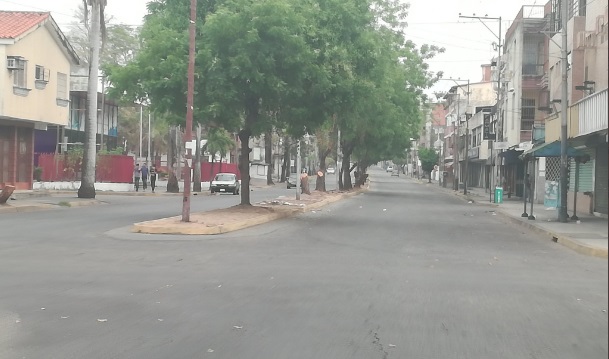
x: 389, y: 168
x: 225, y: 183
x: 331, y: 170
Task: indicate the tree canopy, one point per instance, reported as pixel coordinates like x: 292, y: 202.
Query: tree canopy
x: 295, y: 65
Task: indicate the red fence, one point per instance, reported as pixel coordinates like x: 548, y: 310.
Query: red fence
x: 207, y: 172
x: 109, y: 168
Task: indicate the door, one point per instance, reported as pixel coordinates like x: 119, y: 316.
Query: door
x: 600, y: 179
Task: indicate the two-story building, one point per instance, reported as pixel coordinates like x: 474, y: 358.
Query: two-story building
x: 35, y: 62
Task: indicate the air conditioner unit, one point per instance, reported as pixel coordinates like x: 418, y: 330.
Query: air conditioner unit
x: 12, y: 63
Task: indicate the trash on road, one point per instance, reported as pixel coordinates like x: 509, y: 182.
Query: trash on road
x: 66, y: 317
x: 102, y: 320
x: 384, y: 209
x: 237, y: 327
x: 391, y: 345
x: 210, y: 350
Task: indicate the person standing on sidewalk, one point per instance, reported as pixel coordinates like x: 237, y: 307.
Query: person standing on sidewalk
x: 527, y: 183
x: 137, y: 174
x: 144, y: 176
x: 152, y: 177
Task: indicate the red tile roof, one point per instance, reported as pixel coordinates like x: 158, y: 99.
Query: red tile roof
x: 15, y: 23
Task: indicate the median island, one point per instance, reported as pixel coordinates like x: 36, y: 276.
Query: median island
x: 238, y: 217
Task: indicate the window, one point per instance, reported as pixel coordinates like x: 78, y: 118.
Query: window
x: 62, y: 86
x: 528, y: 109
x: 20, y: 74
x: 42, y: 74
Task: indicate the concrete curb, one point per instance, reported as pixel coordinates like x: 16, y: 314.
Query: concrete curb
x: 44, y: 206
x: 559, y: 238
x: 149, y: 227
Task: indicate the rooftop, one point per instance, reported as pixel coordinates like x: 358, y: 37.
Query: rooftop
x: 15, y: 23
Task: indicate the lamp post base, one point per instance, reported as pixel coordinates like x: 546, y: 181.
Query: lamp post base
x: 524, y: 215
x: 531, y: 217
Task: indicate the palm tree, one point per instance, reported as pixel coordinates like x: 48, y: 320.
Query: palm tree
x: 219, y: 140
x: 96, y: 34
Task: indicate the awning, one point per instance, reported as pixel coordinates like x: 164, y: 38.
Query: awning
x: 448, y: 164
x: 510, y: 156
x: 551, y: 149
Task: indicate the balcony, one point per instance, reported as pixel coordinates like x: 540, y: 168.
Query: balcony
x: 591, y: 113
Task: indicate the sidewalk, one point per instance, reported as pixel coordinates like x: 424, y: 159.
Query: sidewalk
x: 587, y: 236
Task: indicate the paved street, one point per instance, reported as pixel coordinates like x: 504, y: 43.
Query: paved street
x: 402, y: 271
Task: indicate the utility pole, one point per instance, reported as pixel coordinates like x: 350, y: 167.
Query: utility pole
x: 149, y: 156
x: 298, y: 171
x: 103, y: 103
x: 189, y: 110
x: 564, y: 106
x: 497, y: 112
x: 141, y: 128
x: 466, y: 160
x: 456, y: 144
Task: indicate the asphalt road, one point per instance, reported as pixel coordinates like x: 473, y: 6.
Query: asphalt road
x: 398, y: 272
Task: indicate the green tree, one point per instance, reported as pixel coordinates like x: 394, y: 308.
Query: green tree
x: 218, y: 141
x: 429, y: 159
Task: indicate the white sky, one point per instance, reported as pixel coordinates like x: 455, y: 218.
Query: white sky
x: 468, y: 43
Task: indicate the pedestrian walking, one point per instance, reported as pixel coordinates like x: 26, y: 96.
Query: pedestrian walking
x: 153, y: 177
x: 137, y: 174
x: 144, y: 176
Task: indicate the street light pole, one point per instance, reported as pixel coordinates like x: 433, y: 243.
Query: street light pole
x: 189, y: 110
x: 564, y: 105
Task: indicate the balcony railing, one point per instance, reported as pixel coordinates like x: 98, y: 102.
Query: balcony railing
x: 592, y: 113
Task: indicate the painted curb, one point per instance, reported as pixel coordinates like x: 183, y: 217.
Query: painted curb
x: 559, y: 238
x: 148, y: 227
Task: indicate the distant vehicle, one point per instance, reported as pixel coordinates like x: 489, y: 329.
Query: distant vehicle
x: 389, y: 168
x: 225, y: 183
x: 331, y: 170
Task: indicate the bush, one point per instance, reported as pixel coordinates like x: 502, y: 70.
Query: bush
x: 38, y: 174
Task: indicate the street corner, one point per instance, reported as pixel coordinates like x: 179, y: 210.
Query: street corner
x: 213, y: 222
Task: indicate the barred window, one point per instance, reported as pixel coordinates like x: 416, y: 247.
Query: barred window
x: 528, y: 109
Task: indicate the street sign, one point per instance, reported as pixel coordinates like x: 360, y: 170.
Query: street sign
x: 486, y: 128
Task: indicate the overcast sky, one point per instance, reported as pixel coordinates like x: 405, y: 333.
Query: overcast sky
x: 467, y: 42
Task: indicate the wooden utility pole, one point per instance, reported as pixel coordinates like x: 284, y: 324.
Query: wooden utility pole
x: 189, y: 111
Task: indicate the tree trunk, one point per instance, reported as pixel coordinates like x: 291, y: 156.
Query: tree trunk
x: 244, y: 165
x: 196, y: 186
x: 285, y: 168
x: 268, y: 156
x: 172, y: 181
x: 87, y: 181
x: 429, y: 176
x: 320, y: 183
x: 304, y: 183
x: 346, y: 171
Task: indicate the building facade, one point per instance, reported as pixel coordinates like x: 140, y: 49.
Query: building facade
x: 35, y: 62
